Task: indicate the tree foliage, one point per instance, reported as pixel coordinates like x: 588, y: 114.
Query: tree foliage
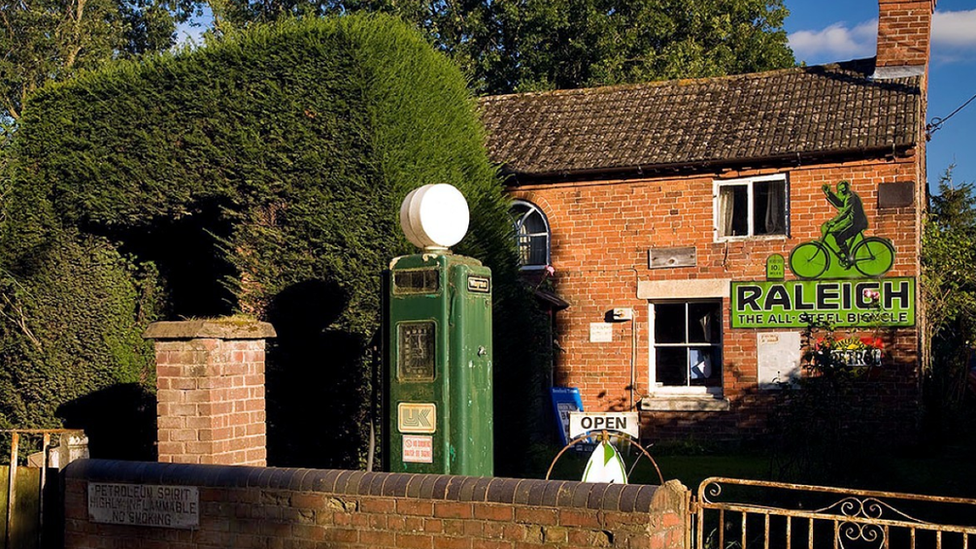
x: 263, y: 173
x: 47, y: 40
x: 525, y: 45
x: 949, y: 286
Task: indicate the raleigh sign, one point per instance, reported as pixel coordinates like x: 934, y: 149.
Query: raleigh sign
x: 842, y: 303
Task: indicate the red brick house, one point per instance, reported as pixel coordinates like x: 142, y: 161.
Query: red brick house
x: 680, y: 203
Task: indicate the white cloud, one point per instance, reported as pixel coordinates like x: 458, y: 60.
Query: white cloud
x: 953, y: 40
x: 954, y: 29
x: 838, y: 42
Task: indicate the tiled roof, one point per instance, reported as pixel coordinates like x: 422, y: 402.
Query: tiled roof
x: 797, y: 112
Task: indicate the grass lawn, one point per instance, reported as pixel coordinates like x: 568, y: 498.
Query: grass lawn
x: 938, y: 471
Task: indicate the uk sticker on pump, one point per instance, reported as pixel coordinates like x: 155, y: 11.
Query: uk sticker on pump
x: 417, y: 417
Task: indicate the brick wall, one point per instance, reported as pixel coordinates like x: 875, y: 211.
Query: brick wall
x: 210, y: 391
x: 244, y: 507
x: 601, y: 234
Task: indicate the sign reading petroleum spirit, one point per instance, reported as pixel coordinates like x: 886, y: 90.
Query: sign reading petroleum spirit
x: 842, y: 303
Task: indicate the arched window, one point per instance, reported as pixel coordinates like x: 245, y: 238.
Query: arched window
x: 532, y: 232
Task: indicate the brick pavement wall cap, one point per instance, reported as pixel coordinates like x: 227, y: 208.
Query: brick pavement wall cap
x: 301, y: 507
x: 214, y: 328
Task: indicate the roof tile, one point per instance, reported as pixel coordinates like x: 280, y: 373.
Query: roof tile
x: 789, y: 112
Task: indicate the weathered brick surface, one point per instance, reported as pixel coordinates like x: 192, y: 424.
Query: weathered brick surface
x: 903, y: 32
x: 602, y: 232
x: 296, y: 508
x: 210, y: 392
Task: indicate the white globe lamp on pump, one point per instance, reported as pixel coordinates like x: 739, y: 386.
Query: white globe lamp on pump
x: 434, y: 217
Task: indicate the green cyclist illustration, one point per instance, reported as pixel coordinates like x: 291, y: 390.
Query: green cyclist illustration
x: 842, y: 238
x: 850, y: 219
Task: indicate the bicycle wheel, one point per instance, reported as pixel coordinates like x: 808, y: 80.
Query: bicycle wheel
x: 809, y: 260
x: 873, y: 256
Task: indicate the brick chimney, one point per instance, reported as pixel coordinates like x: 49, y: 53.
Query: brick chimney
x: 904, y: 28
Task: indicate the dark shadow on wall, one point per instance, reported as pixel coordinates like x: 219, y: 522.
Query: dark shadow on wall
x: 120, y: 421
x: 317, y: 383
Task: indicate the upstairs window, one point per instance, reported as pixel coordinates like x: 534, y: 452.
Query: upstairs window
x: 532, y: 234
x: 751, y: 207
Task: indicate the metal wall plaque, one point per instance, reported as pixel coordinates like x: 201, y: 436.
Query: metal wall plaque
x: 415, y: 350
x: 779, y: 355
x: 899, y: 194
x: 775, y: 267
x: 841, y: 303
x: 601, y: 332
x: 144, y: 505
x: 666, y: 258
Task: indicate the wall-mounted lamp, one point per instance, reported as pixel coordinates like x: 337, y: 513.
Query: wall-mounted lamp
x: 619, y: 314
x: 622, y: 314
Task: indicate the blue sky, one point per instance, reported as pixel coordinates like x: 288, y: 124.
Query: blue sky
x: 824, y: 31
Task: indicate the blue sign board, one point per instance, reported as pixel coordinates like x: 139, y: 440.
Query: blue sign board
x: 564, y: 401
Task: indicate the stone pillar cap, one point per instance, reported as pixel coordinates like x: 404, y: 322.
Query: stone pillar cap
x: 233, y: 327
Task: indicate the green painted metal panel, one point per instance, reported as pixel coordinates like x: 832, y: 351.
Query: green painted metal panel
x: 888, y: 302
x: 439, y: 359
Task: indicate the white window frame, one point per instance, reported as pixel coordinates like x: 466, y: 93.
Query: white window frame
x: 533, y: 209
x: 749, y: 182
x: 653, y: 388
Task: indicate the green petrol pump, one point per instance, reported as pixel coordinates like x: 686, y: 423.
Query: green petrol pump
x: 438, y: 354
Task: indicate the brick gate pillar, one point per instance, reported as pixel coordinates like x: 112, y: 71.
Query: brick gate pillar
x: 210, y: 390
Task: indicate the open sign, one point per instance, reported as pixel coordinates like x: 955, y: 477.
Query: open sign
x: 622, y: 422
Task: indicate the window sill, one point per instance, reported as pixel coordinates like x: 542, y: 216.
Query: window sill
x: 746, y: 238
x: 684, y: 403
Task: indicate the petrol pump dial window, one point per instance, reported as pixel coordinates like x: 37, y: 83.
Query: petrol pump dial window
x: 415, y: 351
x: 415, y: 281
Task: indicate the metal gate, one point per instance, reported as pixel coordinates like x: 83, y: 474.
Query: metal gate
x: 739, y: 514
x: 30, y: 500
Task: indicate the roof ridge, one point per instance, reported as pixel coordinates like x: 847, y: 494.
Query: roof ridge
x: 613, y: 88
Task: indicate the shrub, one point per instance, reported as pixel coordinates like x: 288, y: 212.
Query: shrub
x: 261, y: 174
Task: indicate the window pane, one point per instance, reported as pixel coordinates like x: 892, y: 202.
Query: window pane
x: 525, y: 249
x: 671, y: 366
x: 534, y: 224
x: 536, y: 250
x: 669, y: 323
x: 769, y: 207
x: 733, y: 210
x: 704, y: 321
x: 705, y: 366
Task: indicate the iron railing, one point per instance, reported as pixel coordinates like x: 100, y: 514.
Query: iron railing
x: 740, y: 514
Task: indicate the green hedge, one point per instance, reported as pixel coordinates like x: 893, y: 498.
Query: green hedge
x: 262, y: 174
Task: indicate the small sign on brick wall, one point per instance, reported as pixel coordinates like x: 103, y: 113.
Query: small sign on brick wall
x: 601, y: 332
x: 144, y: 505
x: 667, y: 258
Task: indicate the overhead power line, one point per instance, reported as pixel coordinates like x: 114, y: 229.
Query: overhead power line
x: 936, y: 123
